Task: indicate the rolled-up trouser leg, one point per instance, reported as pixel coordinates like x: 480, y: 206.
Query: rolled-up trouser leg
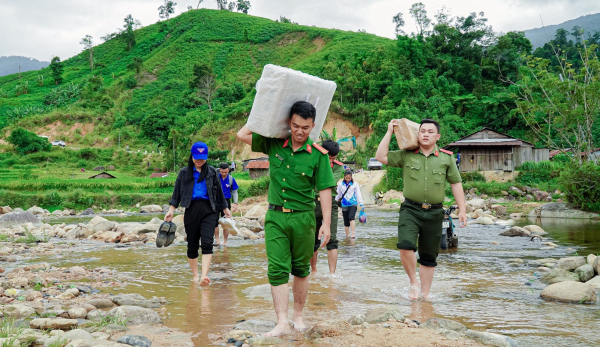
x: 199, y: 221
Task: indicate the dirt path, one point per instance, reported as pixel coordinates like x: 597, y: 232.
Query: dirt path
x: 368, y: 180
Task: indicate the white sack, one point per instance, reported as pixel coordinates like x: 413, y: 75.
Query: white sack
x: 277, y: 90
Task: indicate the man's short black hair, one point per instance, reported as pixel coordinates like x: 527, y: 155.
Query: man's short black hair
x: 332, y: 147
x: 430, y: 121
x: 304, y: 109
x: 224, y: 166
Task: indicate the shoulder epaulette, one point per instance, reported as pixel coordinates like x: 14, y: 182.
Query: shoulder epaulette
x: 447, y: 152
x: 320, y: 148
x: 338, y: 162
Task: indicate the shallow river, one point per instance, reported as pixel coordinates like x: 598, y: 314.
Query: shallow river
x: 473, y: 285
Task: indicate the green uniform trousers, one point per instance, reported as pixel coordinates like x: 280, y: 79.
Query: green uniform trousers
x: 289, y: 240
x: 333, y: 242
x: 416, y: 223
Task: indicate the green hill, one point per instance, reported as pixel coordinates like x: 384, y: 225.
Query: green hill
x: 539, y: 36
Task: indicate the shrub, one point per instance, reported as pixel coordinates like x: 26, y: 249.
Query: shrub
x: 472, y: 177
x: 260, y: 186
x: 581, y: 186
x: 28, y: 142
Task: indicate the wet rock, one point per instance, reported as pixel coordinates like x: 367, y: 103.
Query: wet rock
x: 441, y: 323
x: 594, y: 282
x: 264, y: 341
x: 135, y: 315
x: 255, y: 212
x: 88, y: 212
x: 53, y: 323
x: 491, y: 339
x: 357, y: 320
x: 559, y: 275
x: 135, y: 340
x: 535, y: 230
x: 17, y: 311
x: 571, y: 263
x: 256, y: 325
x: 515, y: 231
x: 570, y: 292
x: 382, y: 314
x: 239, y: 335
x: 329, y: 329
x: 484, y: 221
x: 101, y: 303
x: 135, y: 300
x: 585, y: 272
x: 77, y: 313
x: 151, y: 209
x: 13, y: 219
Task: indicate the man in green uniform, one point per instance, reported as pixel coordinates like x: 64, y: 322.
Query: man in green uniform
x: 425, y: 172
x: 297, y: 166
x: 332, y: 246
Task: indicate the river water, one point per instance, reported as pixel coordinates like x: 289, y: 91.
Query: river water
x: 474, y: 284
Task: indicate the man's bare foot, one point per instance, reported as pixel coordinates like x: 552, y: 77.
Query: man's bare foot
x: 196, y: 279
x: 205, y: 282
x: 280, y: 329
x: 413, y: 292
x: 299, y: 324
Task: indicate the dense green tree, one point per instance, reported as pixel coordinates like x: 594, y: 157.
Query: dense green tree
x: 26, y: 141
x: 127, y: 35
x: 57, y: 70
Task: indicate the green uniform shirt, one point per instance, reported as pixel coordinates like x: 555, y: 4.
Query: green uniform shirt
x: 294, y: 175
x: 425, y: 177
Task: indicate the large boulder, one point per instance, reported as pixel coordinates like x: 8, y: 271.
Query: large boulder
x: 96, y: 220
x: 535, y: 230
x: 151, y: 209
x: 594, y: 282
x: 383, y: 314
x: 557, y: 275
x: 255, y: 212
x: 53, y: 324
x: 571, y: 263
x: 13, y: 219
x: 585, y: 272
x: 591, y: 258
x: 570, y: 292
x: 104, y: 226
x: 135, y: 315
x: 515, y: 231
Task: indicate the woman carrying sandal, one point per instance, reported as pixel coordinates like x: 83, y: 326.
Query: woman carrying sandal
x: 199, y: 191
x: 349, y: 192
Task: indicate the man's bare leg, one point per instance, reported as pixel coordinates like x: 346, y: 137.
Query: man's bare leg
x: 409, y: 262
x: 332, y: 256
x: 194, y: 268
x: 225, y: 236
x: 217, y: 241
x: 300, y: 289
x: 281, y: 296
x: 313, y: 262
x: 426, y: 276
x: 206, y: 258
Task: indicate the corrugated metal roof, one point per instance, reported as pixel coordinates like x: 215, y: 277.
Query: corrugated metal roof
x: 159, y: 174
x: 487, y: 142
x: 258, y: 164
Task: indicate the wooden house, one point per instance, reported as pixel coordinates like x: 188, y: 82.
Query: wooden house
x: 258, y: 168
x: 489, y: 150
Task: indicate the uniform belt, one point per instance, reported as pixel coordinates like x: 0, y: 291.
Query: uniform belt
x: 424, y: 205
x: 280, y: 208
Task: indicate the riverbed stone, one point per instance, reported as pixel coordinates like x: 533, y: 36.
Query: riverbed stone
x: 135, y: 340
x: 77, y: 313
x: 383, y: 314
x: 14, y: 219
x: 104, y: 226
x: 570, y: 292
x: 255, y: 325
x: 484, y: 221
x: 557, y: 275
x: 515, y: 231
x: 264, y: 341
x: 239, y: 335
x: 476, y: 204
x: 491, y: 339
x: 135, y: 315
x: 571, y: 263
x: 151, y: 209
x: 585, y: 272
x: 53, y: 323
x: 78, y: 334
x: 255, y: 212
x: 101, y: 303
x: 596, y: 265
x: 535, y: 230
x: 135, y: 300
x: 594, y: 282
x: 17, y: 311
x: 442, y: 323
x: 147, y: 228
x: 329, y: 328
x: 591, y: 258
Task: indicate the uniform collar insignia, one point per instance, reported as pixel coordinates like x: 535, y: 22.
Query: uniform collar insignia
x: 286, y: 143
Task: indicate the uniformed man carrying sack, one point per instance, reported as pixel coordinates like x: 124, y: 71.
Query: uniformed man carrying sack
x: 425, y: 172
x: 337, y: 168
x: 297, y: 166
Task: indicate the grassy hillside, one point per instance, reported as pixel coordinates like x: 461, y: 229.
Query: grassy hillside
x: 539, y: 36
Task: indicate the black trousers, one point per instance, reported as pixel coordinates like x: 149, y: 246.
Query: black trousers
x: 199, y: 221
x: 349, y: 213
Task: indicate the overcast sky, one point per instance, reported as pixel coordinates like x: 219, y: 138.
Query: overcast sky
x: 44, y: 28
